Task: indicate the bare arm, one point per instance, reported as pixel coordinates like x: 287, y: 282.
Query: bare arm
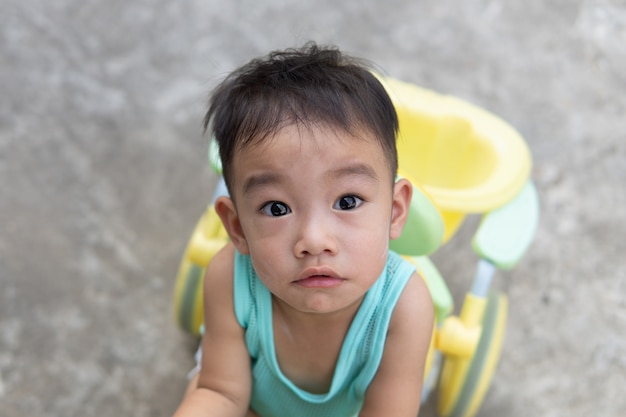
x: 224, y: 381
x: 397, y: 387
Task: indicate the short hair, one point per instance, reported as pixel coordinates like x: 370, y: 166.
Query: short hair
x: 305, y: 86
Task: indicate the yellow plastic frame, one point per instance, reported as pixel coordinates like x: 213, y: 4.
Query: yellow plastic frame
x: 466, y: 159
x: 460, y: 355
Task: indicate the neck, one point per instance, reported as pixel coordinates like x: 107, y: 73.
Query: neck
x: 312, y: 322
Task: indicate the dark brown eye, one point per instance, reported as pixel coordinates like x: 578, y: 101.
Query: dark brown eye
x: 348, y: 202
x: 275, y: 209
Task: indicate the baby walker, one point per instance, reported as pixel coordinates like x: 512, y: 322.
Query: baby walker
x: 462, y: 160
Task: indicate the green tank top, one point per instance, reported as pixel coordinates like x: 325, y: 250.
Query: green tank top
x: 273, y: 394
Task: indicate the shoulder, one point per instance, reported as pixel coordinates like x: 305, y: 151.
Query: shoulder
x: 226, y: 369
x: 229, y: 286
x: 218, y: 279
x: 219, y: 273
x: 412, y: 321
x: 219, y: 302
x: 396, y: 388
x: 414, y: 311
x: 222, y: 264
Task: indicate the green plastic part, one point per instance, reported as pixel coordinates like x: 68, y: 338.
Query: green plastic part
x: 423, y: 231
x: 214, y: 157
x: 505, y: 233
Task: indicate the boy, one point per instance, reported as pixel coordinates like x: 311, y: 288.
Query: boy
x: 307, y: 312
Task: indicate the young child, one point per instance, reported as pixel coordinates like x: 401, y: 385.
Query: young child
x: 307, y: 312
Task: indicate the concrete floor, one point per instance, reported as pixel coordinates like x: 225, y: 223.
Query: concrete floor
x: 103, y: 175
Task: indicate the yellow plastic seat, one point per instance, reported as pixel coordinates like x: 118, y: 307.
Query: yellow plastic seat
x: 466, y: 159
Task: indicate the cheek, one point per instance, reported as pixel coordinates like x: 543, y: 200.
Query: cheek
x: 372, y: 245
x: 381, y: 256
x: 381, y: 245
x: 267, y: 260
x: 372, y: 257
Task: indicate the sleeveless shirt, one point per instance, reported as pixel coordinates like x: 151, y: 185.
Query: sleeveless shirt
x: 273, y: 394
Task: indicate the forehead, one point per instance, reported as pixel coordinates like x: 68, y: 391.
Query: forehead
x: 306, y: 148
x: 302, y: 141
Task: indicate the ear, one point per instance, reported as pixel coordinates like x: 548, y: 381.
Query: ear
x: 225, y: 208
x: 402, y: 193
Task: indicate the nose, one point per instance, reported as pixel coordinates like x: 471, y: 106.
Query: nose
x: 316, y: 236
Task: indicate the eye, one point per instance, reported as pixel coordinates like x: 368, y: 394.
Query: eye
x: 275, y: 209
x: 348, y: 202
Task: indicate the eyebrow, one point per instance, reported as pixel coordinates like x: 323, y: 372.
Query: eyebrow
x: 357, y: 169
x: 269, y: 178
x: 260, y: 180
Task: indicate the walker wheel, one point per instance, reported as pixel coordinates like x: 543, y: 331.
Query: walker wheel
x: 188, y: 303
x: 476, y: 378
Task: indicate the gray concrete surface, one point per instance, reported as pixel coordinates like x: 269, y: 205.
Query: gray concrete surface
x: 103, y: 175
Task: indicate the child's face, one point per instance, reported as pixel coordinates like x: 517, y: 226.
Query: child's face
x: 315, y: 209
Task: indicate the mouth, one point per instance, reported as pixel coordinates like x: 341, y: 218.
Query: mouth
x: 319, y: 278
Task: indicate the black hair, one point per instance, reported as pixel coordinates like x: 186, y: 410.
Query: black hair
x: 308, y: 85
